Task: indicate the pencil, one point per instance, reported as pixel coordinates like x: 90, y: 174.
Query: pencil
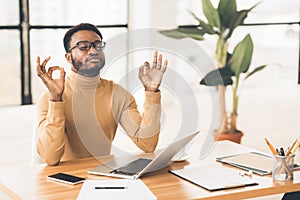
x: 295, y: 148
x: 292, y: 152
x: 291, y: 148
x: 271, y: 147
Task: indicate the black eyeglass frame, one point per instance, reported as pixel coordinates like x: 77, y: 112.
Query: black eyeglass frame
x: 89, y: 46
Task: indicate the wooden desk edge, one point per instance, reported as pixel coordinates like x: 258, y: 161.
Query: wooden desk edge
x: 8, y: 192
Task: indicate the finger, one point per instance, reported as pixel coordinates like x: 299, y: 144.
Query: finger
x: 62, y: 73
x: 159, y: 61
x: 51, y: 69
x: 38, y: 66
x: 43, y: 65
x: 141, y: 71
x: 164, y: 67
x: 154, y: 62
x: 144, y: 69
x: 147, y: 68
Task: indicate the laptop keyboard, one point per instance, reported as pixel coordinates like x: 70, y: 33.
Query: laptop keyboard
x: 133, y: 167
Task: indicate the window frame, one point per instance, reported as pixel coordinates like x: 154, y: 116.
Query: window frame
x: 265, y: 24
x: 24, y: 29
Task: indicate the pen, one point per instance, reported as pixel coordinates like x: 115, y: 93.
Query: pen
x: 238, y: 185
x: 110, y: 187
x: 234, y: 186
x: 271, y: 147
x: 282, y: 152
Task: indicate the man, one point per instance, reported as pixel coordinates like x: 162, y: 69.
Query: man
x: 78, y: 115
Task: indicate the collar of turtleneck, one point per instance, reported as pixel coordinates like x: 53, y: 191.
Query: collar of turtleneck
x: 78, y: 80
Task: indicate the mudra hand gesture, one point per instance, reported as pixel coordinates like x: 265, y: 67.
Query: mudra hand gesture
x: 151, y: 76
x: 55, y: 86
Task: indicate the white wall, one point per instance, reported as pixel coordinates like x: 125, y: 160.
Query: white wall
x: 152, y: 14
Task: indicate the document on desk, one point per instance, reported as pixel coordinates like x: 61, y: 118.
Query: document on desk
x: 256, y: 162
x: 214, y: 177
x: 115, y: 189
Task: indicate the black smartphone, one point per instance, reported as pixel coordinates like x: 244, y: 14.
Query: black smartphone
x: 66, y: 178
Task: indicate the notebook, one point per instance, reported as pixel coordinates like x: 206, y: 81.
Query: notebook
x: 256, y: 162
x: 214, y: 177
x: 133, y: 169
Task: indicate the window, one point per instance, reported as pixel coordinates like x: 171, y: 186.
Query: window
x: 44, y: 23
x: 9, y: 12
x: 274, y: 27
x: 10, y: 82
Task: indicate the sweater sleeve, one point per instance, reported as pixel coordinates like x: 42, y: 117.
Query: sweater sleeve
x: 142, y: 129
x: 51, y: 130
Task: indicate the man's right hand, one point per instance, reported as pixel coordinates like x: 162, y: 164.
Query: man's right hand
x: 55, y: 86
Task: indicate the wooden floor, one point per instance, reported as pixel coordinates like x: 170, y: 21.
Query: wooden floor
x: 268, y: 112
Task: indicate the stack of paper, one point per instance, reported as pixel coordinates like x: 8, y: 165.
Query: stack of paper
x: 115, y: 189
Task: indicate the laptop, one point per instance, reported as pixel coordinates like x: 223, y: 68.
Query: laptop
x: 135, y: 168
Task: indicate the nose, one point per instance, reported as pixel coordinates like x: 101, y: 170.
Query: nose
x: 92, y: 50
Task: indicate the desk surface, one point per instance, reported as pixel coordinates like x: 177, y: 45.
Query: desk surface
x: 30, y: 182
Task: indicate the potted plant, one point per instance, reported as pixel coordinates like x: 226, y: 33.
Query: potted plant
x: 231, y: 67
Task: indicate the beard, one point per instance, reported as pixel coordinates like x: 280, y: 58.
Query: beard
x: 85, y: 70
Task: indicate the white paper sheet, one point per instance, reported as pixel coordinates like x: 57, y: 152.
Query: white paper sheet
x: 134, y: 190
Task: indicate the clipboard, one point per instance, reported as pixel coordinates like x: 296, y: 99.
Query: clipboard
x: 258, y: 163
x: 214, y: 177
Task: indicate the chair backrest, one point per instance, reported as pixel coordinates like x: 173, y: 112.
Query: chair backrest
x: 35, y: 157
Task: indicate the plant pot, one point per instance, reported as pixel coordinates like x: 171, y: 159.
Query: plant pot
x: 234, y: 137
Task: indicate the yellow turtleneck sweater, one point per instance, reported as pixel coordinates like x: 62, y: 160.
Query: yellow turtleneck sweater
x: 85, y: 123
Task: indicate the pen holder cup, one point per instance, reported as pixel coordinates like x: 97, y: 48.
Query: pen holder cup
x: 283, y: 168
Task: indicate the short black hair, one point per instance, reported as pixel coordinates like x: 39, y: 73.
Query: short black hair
x: 79, y: 27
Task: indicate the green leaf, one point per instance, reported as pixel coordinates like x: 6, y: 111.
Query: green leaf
x: 239, y: 19
x: 216, y: 77
x: 255, y: 70
x: 241, y: 56
x: 180, y: 33
x: 211, y: 14
x: 227, y: 11
x: 207, y: 28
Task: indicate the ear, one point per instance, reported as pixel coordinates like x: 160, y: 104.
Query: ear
x: 68, y: 57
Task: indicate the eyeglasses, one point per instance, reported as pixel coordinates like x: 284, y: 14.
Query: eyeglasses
x: 86, y: 45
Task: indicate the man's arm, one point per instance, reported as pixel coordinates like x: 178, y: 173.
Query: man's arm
x: 51, y: 130
x: 51, y: 119
x: 144, y: 130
